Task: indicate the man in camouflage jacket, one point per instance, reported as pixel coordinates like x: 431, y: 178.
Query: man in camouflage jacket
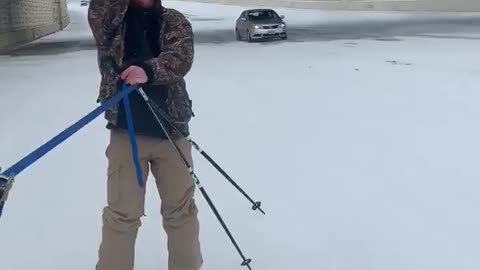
x: 141, y: 42
x: 176, y: 38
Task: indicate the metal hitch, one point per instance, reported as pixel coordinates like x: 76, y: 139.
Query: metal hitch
x: 5, y: 186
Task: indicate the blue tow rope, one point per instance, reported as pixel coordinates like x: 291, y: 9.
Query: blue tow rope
x: 131, y: 135
x: 6, y: 177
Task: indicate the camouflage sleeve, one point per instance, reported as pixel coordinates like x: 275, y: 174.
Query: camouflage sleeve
x: 176, y: 58
x: 105, y: 18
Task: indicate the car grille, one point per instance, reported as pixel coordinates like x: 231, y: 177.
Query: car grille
x: 270, y: 26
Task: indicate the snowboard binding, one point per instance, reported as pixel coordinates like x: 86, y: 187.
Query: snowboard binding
x: 6, y: 183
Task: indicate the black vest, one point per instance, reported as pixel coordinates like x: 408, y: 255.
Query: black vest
x: 142, y: 43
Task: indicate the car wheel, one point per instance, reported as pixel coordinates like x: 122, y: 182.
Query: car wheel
x: 237, y: 35
x: 285, y: 37
x: 249, y: 37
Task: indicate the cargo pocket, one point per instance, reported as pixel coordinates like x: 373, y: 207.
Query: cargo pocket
x: 113, y: 183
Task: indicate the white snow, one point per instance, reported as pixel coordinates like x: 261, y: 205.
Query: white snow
x: 364, y: 152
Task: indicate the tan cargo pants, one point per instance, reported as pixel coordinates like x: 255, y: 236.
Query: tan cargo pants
x: 121, y: 218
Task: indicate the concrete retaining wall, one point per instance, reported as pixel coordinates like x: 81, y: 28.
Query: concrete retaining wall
x: 26, y: 20
x: 395, y: 5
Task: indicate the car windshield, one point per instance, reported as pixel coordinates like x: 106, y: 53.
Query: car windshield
x: 262, y: 15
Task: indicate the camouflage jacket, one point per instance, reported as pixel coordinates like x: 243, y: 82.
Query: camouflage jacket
x: 105, y: 18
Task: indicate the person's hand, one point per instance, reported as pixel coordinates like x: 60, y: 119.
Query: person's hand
x: 134, y: 75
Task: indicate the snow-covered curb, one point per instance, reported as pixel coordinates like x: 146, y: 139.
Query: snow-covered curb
x: 394, y: 5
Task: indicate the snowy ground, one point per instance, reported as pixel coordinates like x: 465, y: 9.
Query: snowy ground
x: 360, y: 135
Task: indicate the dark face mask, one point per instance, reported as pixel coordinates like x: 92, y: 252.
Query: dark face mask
x: 141, y: 3
x: 154, y: 5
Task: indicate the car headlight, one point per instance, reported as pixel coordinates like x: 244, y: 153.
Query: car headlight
x: 283, y: 25
x: 256, y: 27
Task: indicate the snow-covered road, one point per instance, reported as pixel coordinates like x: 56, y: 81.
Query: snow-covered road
x: 360, y: 134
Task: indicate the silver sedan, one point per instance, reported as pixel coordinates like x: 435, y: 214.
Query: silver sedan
x: 254, y: 24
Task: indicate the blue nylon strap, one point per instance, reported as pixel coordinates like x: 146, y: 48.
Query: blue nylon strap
x: 31, y: 158
x: 131, y: 135
x: 18, y: 167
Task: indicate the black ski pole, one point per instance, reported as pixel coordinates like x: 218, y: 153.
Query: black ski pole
x: 246, y: 262
x: 256, y: 205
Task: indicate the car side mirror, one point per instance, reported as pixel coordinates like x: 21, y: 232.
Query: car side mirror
x: 282, y: 17
x: 243, y: 19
